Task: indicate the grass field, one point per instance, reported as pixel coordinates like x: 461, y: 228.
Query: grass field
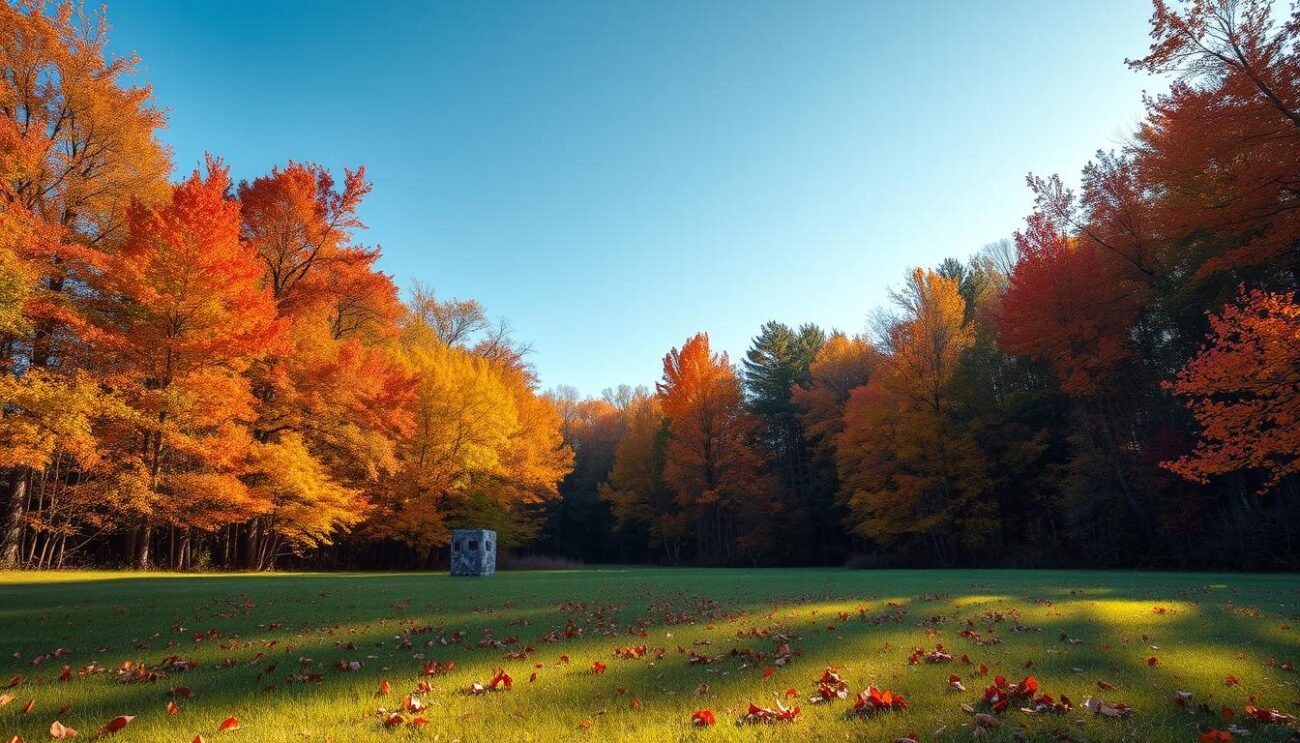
x: 247, y: 633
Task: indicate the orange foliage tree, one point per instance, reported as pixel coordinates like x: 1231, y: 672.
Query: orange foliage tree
x: 710, y: 462
x: 641, y: 501
x: 77, y: 145
x: 332, y: 393
x: 1223, y: 145
x: 1244, y: 390
x: 185, y: 314
x: 908, y: 470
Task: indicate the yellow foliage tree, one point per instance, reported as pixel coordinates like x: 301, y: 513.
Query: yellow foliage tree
x: 907, y: 469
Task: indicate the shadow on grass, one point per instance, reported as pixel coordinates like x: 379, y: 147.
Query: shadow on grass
x: 110, y: 620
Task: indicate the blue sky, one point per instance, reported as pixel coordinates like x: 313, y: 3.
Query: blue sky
x: 615, y: 176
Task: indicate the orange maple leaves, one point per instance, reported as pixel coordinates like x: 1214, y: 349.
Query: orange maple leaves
x: 1242, y: 389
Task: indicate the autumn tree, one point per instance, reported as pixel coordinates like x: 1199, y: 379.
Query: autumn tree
x: 710, y: 462
x: 1223, y: 145
x: 484, y: 447
x: 907, y: 468
x: 185, y: 314
x: 536, y: 461
x: 455, y: 322
x: 1073, y: 304
x: 1244, y: 390
x: 464, y: 417
x: 642, y: 503
x: 332, y: 389
x: 77, y: 145
x: 841, y: 365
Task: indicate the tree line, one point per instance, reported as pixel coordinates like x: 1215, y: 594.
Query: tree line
x: 208, y: 373
x: 1119, y: 385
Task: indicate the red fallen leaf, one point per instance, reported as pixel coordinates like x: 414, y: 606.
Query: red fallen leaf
x: 585, y: 724
x: 230, y: 723
x: 532, y: 677
x: 1216, y: 736
x: 501, y: 679
x: 1273, y: 716
x: 424, y: 687
x: 66, y: 675
x: 181, y: 691
x: 984, y: 670
x: 564, y: 660
x: 767, y: 672
x: 419, y: 722
x: 874, y: 700
x: 1231, y: 680
x: 31, y: 705
x: 59, y: 731
x: 116, y: 724
x: 393, y: 720
x: 172, y: 709
x: 597, y: 667
x: 703, y: 718
x: 791, y: 693
x: 1152, y: 661
x: 1105, y: 685
x: 199, y: 739
x: 636, y: 703
x: 385, y: 688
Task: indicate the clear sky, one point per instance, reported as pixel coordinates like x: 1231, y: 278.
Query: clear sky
x: 614, y: 176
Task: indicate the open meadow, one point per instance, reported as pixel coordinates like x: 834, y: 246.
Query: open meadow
x: 632, y: 654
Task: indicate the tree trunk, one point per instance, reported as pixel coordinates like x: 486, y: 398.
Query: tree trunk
x: 142, y: 559
x: 185, y: 551
x: 11, y: 541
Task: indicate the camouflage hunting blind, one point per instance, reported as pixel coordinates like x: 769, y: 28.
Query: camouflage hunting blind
x: 473, y: 552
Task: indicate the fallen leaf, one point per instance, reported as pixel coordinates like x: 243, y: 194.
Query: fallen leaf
x: 703, y: 718
x: 116, y: 724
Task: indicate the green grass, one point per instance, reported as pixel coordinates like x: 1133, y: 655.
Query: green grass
x: 1207, y: 627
